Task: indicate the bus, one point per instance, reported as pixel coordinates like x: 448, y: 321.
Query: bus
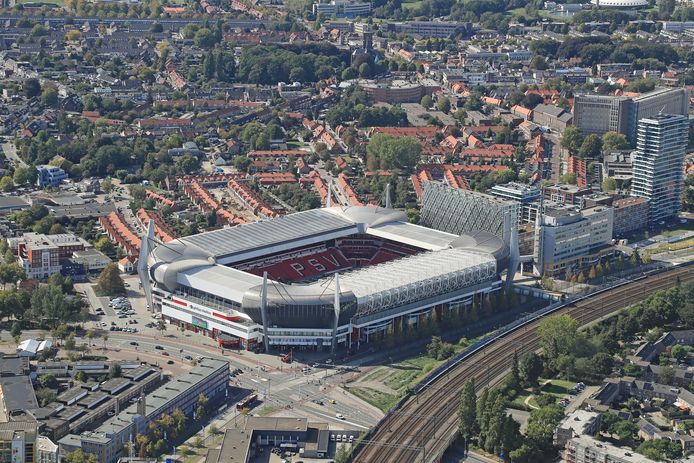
x: 248, y: 402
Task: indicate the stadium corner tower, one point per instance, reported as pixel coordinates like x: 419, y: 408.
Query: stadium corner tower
x: 317, y: 279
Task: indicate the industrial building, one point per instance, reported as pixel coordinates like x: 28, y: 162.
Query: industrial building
x: 319, y: 278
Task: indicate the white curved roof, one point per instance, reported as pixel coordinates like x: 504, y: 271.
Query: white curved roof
x: 417, y: 277
x: 621, y: 3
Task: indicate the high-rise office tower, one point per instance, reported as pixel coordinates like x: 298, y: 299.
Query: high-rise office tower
x: 658, y: 162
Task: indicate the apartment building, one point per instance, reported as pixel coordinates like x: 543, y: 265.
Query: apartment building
x: 40, y: 255
x: 658, y: 164
x: 50, y: 176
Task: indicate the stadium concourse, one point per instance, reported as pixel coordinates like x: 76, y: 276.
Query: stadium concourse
x: 318, y: 279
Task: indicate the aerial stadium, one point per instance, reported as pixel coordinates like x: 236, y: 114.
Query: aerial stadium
x: 318, y: 279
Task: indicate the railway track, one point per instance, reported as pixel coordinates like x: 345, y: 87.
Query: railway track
x: 426, y: 424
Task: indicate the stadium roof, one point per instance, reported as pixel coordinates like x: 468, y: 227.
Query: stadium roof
x: 248, y: 241
x: 416, y: 277
x: 292, y: 228
x: 221, y: 280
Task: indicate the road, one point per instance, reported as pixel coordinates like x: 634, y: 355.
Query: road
x: 283, y: 390
x: 10, y: 152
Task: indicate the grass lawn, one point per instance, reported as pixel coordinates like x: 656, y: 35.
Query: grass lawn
x: 684, y: 244
x: 398, y: 377
x: 378, y: 399
x: 411, y: 5
x: 557, y: 387
x: 294, y: 145
x: 519, y: 401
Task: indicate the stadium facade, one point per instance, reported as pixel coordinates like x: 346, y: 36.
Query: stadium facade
x: 337, y: 276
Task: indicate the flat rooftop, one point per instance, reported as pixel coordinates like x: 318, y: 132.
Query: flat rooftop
x: 17, y: 394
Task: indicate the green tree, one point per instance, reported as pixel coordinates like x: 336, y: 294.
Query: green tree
x: 394, y: 152
x: 542, y: 423
x: 16, y: 329
x: 426, y: 101
x: 79, y: 456
x: 49, y: 96
x: 530, y: 368
x: 569, y: 178
x: 467, y: 410
x: 115, y: 371
x: 591, y: 146
x: 110, y: 282
x: 32, y: 88
x: 572, y: 139
x: 48, y: 381
x: 201, y: 409
x: 6, y: 183
x: 667, y: 374
x: 680, y: 352
x: 443, y: 105
x: 625, y: 430
x: 609, y: 184
x: 21, y: 175
x: 70, y: 342
x: 205, y: 38
x: 558, y: 335
x: 614, y: 141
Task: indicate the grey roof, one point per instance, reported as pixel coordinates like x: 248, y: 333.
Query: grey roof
x: 17, y: 393
x: 552, y: 110
x: 227, y: 242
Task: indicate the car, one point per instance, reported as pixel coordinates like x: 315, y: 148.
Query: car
x: 122, y: 316
x: 351, y: 439
x: 344, y: 438
x: 339, y: 438
x: 188, y: 357
x: 158, y: 347
x: 134, y: 343
x: 339, y: 416
x: 165, y: 354
x: 127, y: 285
x: 332, y: 437
x: 170, y: 362
x: 113, y: 328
